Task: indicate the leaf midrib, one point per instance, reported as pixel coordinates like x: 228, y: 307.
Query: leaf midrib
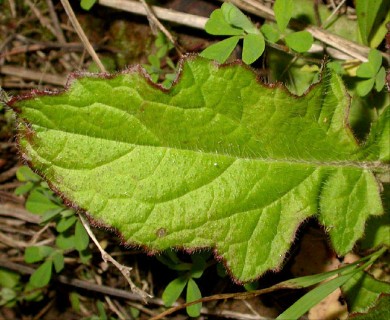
x: 364, y: 165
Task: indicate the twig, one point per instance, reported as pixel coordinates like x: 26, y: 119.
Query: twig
x: 8, y: 210
x: 45, y: 22
x: 106, y: 257
x: 111, y: 305
x: 8, y: 174
x: 328, y: 19
x: 136, y: 7
x: 90, y: 286
x: 153, y: 21
x: 33, y: 75
x: 82, y: 284
x: 81, y: 34
x: 54, y: 18
x: 12, y: 8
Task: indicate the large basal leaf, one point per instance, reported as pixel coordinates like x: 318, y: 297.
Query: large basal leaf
x: 219, y: 160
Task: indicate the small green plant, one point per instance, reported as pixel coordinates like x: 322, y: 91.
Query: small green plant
x: 160, y: 60
x: 230, y: 21
x: 300, y: 41
x: 87, y: 4
x: 70, y: 231
x: 187, y: 273
x: 372, y: 72
x: 10, y: 288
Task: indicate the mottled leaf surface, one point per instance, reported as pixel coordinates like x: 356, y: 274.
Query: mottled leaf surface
x: 219, y: 160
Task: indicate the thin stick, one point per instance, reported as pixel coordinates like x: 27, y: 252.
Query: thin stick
x: 136, y: 7
x: 328, y: 19
x: 56, y: 24
x: 106, y: 257
x: 33, y: 75
x: 153, y: 21
x: 81, y: 34
x: 45, y: 22
x: 82, y: 284
x: 349, y: 47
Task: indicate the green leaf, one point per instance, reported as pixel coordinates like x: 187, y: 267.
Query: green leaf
x: 380, y: 79
x: 51, y: 214
x: 173, y: 291
x: 24, y: 174
x: 366, y: 12
x: 313, y: 297
x: 198, y: 266
x: 270, y: 33
x: 85, y: 256
x: 283, y: 12
x: 378, y: 228
x: 37, y: 253
x: 65, y: 223
x: 377, y: 145
x: 370, y: 69
x: 8, y: 279
x: 101, y: 310
x: 375, y: 59
x: 74, y: 299
x: 7, y: 295
x: 363, y: 290
x: 217, y: 25
x: 300, y: 41
x: 41, y: 276
x: 58, y: 261
x: 253, y: 48
x: 81, y: 237
x: 218, y: 160
x: 220, y: 51
x: 236, y: 18
x: 67, y: 213
x: 193, y: 293
x: 87, y: 4
x: 379, y: 34
x: 336, y: 66
x: 365, y: 86
x: 65, y: 241
x: 380, y: 311
x: 38, y: 203
x: 24, y: 188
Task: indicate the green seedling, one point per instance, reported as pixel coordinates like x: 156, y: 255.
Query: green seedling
x: 187, y: 273
x: 161, y: 58
x: 230, y: 21
x: 300, y: 41
x: 71, y: 233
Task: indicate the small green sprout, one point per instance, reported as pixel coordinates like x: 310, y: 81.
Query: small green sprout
x: 187, y: 273
x: 71, y: 233
x: 230, y: 21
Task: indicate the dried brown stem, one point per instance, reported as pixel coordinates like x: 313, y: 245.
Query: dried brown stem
x: 56, y: 24
x: 106, y: 257
x: 154, y: 22
x: 136, y: 7
x: 81, y: 34
x: 33, y: 75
